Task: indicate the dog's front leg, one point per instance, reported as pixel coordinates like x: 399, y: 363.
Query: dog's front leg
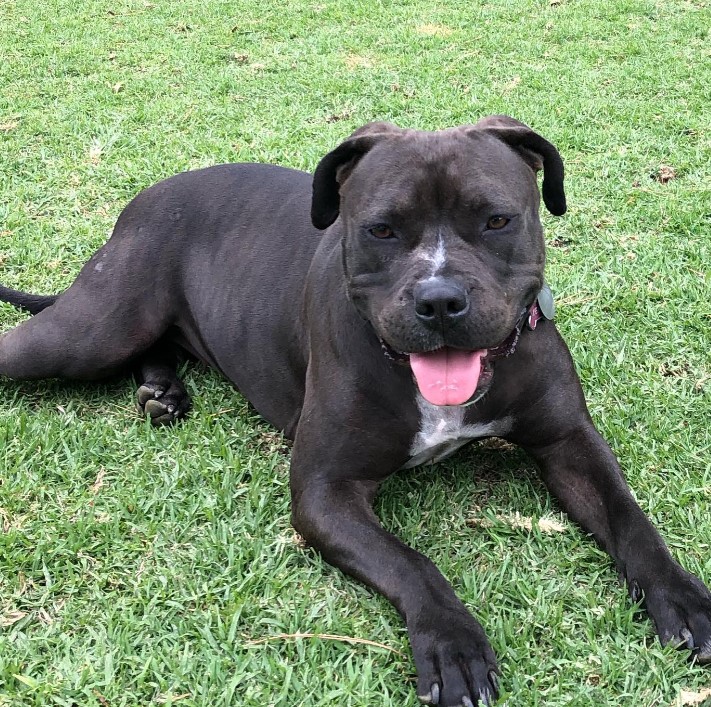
x: 332, y: 494
x: 582, y: 472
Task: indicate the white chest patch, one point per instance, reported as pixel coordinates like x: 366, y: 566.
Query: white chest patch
x: 442, y: 432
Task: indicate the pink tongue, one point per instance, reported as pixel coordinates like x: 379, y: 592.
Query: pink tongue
x: 447, y: 376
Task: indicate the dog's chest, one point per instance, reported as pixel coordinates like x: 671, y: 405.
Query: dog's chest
x: 443, y: 431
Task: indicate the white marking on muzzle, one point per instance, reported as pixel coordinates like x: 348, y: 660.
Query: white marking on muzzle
x: 437, y: 257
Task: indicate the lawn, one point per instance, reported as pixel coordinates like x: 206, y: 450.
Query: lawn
x: 158, y: 567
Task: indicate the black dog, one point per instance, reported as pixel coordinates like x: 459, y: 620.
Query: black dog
x: 410, y: 326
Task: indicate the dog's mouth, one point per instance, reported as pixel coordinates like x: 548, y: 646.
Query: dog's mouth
x: 458, y: 376
x: 449, y: 376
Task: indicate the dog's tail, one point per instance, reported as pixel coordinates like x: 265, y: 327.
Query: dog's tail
x: 24, y: 300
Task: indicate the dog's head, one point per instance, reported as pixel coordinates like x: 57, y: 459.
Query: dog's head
x: 443, y: 247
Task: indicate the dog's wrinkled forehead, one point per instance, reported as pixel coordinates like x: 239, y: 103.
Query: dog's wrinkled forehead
x: 445, y: 170
x: 494, y: 160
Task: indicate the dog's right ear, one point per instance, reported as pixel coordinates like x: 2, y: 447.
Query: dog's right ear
x: 333, y: 170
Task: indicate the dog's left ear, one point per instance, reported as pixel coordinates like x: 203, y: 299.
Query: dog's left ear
x: 333, y: 170
x: 536, y: 151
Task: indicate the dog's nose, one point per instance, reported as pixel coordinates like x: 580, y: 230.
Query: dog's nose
x: 439, y: 301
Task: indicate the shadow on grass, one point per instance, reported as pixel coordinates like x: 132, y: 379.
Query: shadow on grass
x: 480, y: 471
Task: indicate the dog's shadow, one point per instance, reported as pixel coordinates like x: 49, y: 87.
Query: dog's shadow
x: 483, y: 482
x: 482, y: 473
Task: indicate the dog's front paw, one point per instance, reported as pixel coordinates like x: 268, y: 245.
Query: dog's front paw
x: 163, y: 402
x: 456, y: 666
x: 680, y: 606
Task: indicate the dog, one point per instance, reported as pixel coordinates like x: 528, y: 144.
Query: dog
x: 382, y: 314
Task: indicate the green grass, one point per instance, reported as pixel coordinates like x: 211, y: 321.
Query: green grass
x: 138, y: 566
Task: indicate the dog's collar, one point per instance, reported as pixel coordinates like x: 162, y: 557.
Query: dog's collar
x: 543, y: 307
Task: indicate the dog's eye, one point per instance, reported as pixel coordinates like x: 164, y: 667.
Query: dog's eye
x: 497, y: 222
x: 381, y: 231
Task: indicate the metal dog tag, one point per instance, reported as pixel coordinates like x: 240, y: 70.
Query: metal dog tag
x: 545, y: 302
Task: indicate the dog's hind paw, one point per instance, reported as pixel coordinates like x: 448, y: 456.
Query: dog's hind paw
x: 163, y: 403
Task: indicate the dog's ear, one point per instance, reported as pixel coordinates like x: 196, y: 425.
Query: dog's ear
x: 333, y: 170
x: 536, y: 151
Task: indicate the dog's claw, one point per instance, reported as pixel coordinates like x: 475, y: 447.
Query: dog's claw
x: 687, y: 638
x: 635, y: 591
x: 432, y: 697
x: 703, y: 655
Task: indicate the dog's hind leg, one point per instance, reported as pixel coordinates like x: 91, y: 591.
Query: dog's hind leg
x: 161, y: 394
x: 94, y: 329
x: 77, y: 336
